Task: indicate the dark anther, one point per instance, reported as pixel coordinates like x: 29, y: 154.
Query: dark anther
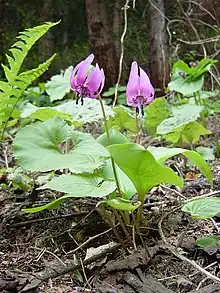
x: 82, y: 101
x: 142, y: 110
x: 137, y: 110
x: 77, y: 100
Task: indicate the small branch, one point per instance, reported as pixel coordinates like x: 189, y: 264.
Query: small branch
x: 56, y: 270
x: 125, y: 8
x: 193, y: 28
x: 26, y: 223
x: 89, y: 240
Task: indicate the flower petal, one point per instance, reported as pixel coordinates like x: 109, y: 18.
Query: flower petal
x: 83, y: 68
x: 133, y: 82
x: 146, y: 88
x: 94, y: 79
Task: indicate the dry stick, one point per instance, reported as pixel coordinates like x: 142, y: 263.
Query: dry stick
x: 70, y: 266
x: 193, y: 28
x: 84, y: 273
x: 126, y: 7
x: 180, y: 256
x: 89, y: 240
x: 25, y: 223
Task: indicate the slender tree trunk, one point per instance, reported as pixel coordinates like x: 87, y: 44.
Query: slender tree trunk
x: 158, y: 48
x: 101, y: 39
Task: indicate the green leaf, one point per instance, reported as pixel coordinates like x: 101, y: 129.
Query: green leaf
x: 43, y: 113
x: 156, y: 112
x: 161, y: 154
x: 141, y: 167
x: 83, y: 185
x: 182, y: 116
x: 192, y: 132
x: 126, y: 185
x: 122, y: 119
x: 37, y: 148
x: 203, y: 208
x: 185, y: 86
x: 208, y: 241
x: 116, y: 137
x: 122, y: 204
x: 206, y: 153
x: 59, y: 85
x: 90, y: 112
x: 76, y: 186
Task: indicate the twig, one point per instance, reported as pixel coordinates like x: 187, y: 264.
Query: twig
x: 50, y: 273
x: 207, y: 267
x: 125, y: 8
x: 26, y: 223
x: 84, y: 273
x: 5, y: 156
x: 180, y: 256
x: 202, y: 196
x: 174, y: 191
x: 89, y: 240
x: 49, y: 252
x: 193, y: 28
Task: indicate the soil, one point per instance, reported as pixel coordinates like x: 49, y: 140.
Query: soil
x: 46, y: 252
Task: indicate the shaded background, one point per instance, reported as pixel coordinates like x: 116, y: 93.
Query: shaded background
x: 158, y: 33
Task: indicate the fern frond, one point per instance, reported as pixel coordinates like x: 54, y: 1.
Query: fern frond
x: 20, y: 49
x: 11, y: 91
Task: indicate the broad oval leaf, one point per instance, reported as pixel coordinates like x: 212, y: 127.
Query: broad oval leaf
x: 208, y: 241
x: 116, y: 137
x: 161, y: 154
x: 203, y: 208
x: 141, y: 167
x: 76, y: 186
x: 126, y: 186
x: 37, y: 148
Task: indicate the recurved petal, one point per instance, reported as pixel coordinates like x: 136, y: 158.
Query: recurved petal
x: 94, y: 79
x: 133, y: 82
x: 83, y: 68
x: 146, y: 88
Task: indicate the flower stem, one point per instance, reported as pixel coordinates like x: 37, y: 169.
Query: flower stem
x: 137, y: 127
x: 109, y: 142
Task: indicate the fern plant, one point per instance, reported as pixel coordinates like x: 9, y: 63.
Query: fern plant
x: 12, y: 89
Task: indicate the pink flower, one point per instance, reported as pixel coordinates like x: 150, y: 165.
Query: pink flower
x: 87, y: 82
x: 139, y: 88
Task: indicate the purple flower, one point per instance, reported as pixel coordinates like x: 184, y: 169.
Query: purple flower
x: 87, y: 82
x: 139, y: 88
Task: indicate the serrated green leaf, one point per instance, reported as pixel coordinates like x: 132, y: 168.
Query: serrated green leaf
x: 204, y: 208
x: 141, y: 167
x: 37, y: 148
x: 161, y: 154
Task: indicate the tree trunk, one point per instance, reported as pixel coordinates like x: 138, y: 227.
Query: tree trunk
x: 158, y: 48
x: 101, y: 39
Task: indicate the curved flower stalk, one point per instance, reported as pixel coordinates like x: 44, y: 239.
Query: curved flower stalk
x: 87, y: 82
x: 139, y: 88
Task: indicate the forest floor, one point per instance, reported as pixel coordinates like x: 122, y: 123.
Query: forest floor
x: 71, y: 249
